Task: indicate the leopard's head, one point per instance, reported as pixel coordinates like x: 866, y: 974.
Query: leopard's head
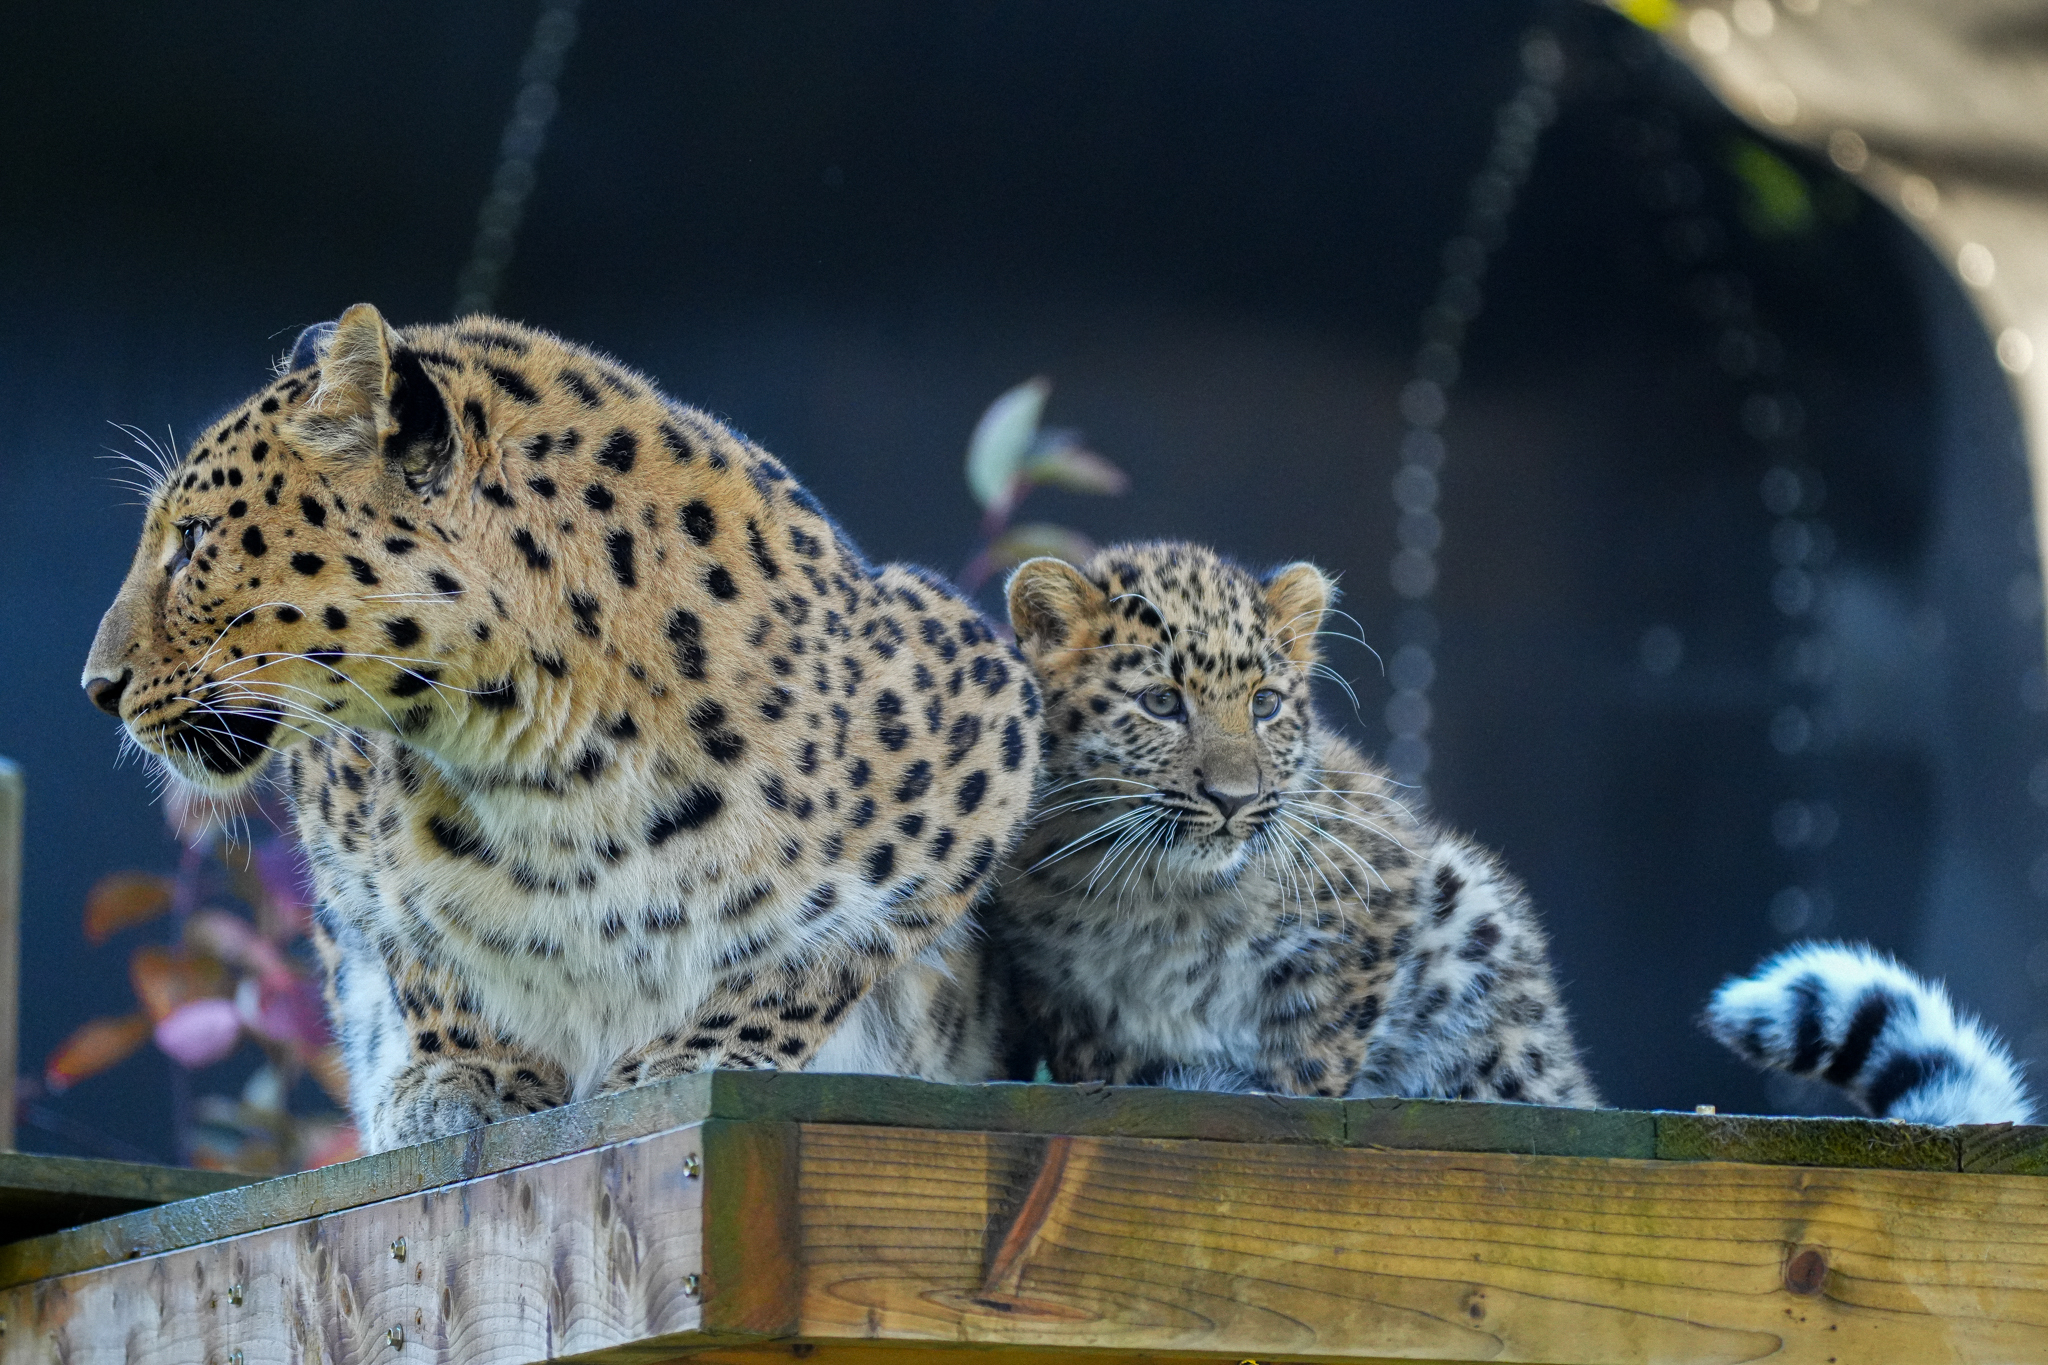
x: 294, y: 572
x: 1177, y: 692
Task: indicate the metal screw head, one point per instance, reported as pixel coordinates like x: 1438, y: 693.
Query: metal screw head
x: 235, y: 1295
x: 395, y: 1338
x: 690, y: 1285
x: 692, y: 1167
x: 398, y: 1250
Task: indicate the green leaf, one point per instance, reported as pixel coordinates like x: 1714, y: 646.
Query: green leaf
x: 1776, y: 201
x: 1059, y: 461
x: 1001, y: 440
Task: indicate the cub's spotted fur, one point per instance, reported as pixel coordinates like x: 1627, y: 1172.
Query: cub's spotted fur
x: 1220, y: 888
x: 614, y: 758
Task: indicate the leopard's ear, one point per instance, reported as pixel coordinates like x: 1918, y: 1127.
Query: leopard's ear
x: 1050, y: 603
x: 375, y: 400
x: 349, y: 414
x: 1298, y: 595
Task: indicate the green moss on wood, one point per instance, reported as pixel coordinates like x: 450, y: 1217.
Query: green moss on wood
x: 2004, y: 1148
x: 1868, y: 1144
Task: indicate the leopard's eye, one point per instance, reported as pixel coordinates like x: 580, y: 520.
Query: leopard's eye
x: 190, y: 533
x: 1265, y: 704
x: 1162, y: 701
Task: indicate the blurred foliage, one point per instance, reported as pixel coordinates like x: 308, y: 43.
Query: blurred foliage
x: 1655, y: 15
x: 232, y: 972
x: 1776, y: 200
x: 1011, y: 453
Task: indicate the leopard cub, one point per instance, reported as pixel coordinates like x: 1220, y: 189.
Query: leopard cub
x: 1219, y: 890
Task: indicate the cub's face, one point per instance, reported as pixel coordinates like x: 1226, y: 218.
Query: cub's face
x: 1177, y: 696
x: 290, y: 567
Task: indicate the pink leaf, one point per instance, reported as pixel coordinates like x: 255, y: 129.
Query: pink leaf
x: 290, y: 1013
x: 199, y: 1032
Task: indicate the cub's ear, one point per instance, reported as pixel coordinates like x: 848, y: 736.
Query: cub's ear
x: 1050, y: 602
x: 311, y: 345
x: 375, y: 399
x: 1299, y: 594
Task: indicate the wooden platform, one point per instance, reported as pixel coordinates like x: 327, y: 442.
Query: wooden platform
x: 760, y: 1217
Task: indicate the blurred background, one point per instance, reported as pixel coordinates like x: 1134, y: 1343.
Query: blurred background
x: 1672, y: 477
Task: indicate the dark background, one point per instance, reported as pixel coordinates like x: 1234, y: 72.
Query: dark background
x: 847, y: 228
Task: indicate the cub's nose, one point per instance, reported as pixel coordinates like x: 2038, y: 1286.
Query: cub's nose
x: 1226, y: 802
x: 105, y: 693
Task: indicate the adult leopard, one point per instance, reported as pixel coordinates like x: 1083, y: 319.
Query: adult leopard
x: 613, y: 756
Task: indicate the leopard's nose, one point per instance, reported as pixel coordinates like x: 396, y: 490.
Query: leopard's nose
x: 1227, y: 803
x: 105, y: 693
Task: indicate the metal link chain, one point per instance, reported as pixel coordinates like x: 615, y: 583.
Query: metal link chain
x: 1425, y: 400
x: 533, y: 108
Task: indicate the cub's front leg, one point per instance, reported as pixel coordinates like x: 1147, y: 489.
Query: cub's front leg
x: 422, y: 1063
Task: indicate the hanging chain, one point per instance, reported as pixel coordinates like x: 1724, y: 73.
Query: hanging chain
x: 1801, y: 726
x: 533, y: 108
x: 1425, y: 400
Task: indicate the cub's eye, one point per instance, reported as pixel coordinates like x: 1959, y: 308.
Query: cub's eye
x: 190, y: 533
x: 1161, y: 701
x: 1265, y: 704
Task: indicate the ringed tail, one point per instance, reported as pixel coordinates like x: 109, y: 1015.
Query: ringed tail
x: 1855, y: 1018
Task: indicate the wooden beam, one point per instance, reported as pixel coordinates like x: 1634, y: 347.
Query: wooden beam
x: 1083, y: 1110
x: 13, y: 799
x: 596, y: 1252
x: 39, y: 1194
x: 1293, y: 1252
x: 758, y: 1239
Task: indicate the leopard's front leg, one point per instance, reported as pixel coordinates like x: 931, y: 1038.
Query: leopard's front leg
x: 422, y: 1062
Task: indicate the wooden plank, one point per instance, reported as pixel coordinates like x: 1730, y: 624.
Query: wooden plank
x: 1530, y: 1129
x: 1009, y: 1107
x: 1308, y: 1252
x: 1872, y: 1144
x: 750, y: 1232
x: 976, y: 1353
x: 2004, y: 1148
x: 1093, y: 1111
x: 13, y: 807
x: 847, y: 1242
x: 387, y: 1175
x: 596, y: 1252
x: 42, y: 1193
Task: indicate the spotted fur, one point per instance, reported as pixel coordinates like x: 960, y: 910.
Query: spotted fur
x: 613, y: 756
x: 1851, y: 1016
x: 1221, y: 891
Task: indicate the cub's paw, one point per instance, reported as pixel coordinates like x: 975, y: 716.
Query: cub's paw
x: 437, y: 1098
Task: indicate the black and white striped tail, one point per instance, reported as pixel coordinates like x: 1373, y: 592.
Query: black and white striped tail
x: 1858, y: 1020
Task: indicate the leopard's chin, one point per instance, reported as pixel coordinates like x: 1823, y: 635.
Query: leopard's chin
x: 219, y: 752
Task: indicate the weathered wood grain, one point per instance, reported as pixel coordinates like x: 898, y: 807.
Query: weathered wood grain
x: 1081, y: 1111
x: 1292, y: 1252
x: 979, y: 1353
x: 38, y: 1193
x: 595, y: 1252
